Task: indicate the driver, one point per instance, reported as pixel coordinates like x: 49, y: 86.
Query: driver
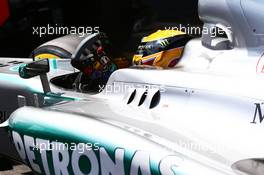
x: 162, y: 49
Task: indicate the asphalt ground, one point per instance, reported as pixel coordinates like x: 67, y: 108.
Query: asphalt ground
x: 17, y: 170
x: 8, y: 167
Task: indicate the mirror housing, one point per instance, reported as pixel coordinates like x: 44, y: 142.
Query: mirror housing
x: 37, y: 68
x: 217, y: 43
x: 34, y: 69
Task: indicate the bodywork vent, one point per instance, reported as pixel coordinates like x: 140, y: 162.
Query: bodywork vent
x: 148, y: 98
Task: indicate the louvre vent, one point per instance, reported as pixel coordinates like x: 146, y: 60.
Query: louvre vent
x: 155, y: 100
x: 148, y: 98
x: 143, y: 98
x: 132, y: 96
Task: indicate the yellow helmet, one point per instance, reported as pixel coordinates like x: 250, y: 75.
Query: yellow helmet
x: 163, y: 48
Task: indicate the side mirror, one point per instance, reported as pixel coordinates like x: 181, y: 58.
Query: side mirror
x: 216, y: 42
x: 37, y: 68
x: 221, y: 44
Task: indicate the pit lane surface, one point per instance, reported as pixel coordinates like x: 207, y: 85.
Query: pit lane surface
x: 17, y: 170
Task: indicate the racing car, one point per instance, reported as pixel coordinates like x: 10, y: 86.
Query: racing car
x: 203, y: 116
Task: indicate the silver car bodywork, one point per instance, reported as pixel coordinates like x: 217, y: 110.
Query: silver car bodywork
x: 202, y: 117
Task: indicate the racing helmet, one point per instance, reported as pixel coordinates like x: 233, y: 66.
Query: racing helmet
x: 163, y: 48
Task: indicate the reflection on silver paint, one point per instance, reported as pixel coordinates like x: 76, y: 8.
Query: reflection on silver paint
x: 249, y: 166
